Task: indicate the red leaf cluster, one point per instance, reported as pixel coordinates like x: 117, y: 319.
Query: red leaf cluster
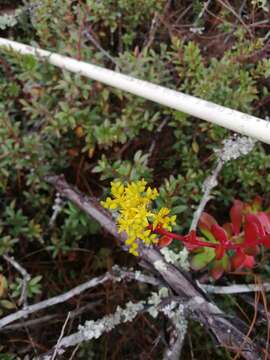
x: 240, y: 239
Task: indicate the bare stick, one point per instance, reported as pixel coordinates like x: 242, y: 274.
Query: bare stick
x: 204, y: 9
x: 154, y: 26
x: 233, y: 148
x: 208, y: 185
x: 173, y: 352
x: 94, y: 329
x: 177, y: 314
x: 91, y: 38
x: 74, y: 352
x: 25, y: 278
x: 235, y: 289
x: 57, y: 208
x: 153, y: 29
x: 54, y: 300
x: 47, y: 319
x: 116, y: 275
x: 238, y: 16
x: 158, y: 131
x: 60, y: 337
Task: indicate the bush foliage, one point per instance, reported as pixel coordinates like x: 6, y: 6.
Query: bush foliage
x: 54, y: 122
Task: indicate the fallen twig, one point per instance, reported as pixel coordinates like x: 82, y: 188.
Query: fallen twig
x: 117, y: 275
x: 57, y: 346
x: 49, y: 319
x: 235, y: 289
x: 25, y: 279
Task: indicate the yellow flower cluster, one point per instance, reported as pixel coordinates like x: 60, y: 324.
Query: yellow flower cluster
x: 133, y: 203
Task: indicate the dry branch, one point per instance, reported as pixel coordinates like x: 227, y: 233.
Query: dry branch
x: 25, y: 278
x: 116, y: 275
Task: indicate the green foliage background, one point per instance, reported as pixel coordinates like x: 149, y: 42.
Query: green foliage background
x: 54, y: 122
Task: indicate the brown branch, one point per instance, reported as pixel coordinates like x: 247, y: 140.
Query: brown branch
x: 206, y: 312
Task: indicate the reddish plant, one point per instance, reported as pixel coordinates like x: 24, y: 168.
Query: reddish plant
x: 229, y: 247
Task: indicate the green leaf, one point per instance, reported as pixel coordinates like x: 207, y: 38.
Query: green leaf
x: 209, y: 236
x: 35, y: 280
x: 179, y: 209
x: 201, y: 260
x: 6, y: 304
x: 3, y: 285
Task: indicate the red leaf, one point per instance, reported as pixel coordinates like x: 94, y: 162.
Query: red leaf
x: 264, y: 220
x: 164, y: 241
x: 253, y: 218
x: 206, y: 221
x: 251, y: 233
x: 216, y: 273
x: 229, y: 229
x: 219, y: 234
x: 220, y: 252
x: 265, y: 240
x: 249, y: 262
x: 252, y: 250
x: 238, y: 259
x: 236, y: 215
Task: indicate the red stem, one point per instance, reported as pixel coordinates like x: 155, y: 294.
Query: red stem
x: 188, y: 239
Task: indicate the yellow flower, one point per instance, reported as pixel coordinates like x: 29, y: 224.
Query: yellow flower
x: 133, y: 203
x: 162, y: 219
x: 117, y: 189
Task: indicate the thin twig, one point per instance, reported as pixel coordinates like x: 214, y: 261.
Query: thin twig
x: 157, y: 132
x: 49, y: 319
x: 57, y: 208
x: 173, y: 352
x: 92, y: 39
x: 116, y: 275
x: 253, y: 322
x: 74, y: 352
x: 233, y: 148
x: 153, y: 29
x: 235, y: 289
x: 204, y: 9
x: 231, y: 9
x: 264, y: 298
x: 96, y: 328
x: 208, y: 185
x: 154, y: 26
x: 25, y: 279
x: 60, y: 337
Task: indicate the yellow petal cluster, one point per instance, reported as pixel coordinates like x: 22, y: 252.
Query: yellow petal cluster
x: 133, y: 203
